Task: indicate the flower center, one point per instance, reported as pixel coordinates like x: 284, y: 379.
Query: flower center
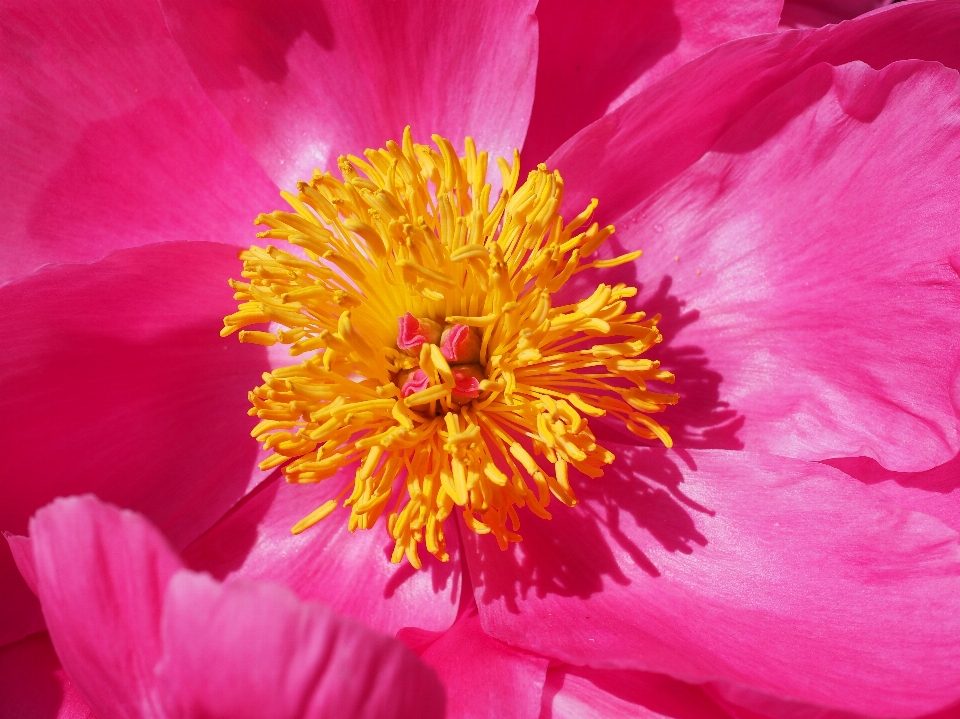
x: 433, y: 357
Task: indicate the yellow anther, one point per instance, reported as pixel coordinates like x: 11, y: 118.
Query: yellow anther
x: 431, y: 394
x: 266, y: 339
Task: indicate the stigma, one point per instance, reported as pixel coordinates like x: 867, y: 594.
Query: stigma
x: 434, y: 372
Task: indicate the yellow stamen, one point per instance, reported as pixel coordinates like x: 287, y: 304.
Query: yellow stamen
x: 410, y: 229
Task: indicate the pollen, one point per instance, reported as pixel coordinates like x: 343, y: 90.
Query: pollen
x: 434, y: 371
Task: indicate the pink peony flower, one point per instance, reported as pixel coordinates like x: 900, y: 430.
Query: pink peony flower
x: 795, y: 198
x: 141, y: 636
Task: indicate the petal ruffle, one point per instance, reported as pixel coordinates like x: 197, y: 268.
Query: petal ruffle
x: 277, y: 658
x: 483, y: 676
x: 120, y: 369
x: 302, y: 84
x: 349, y: 571
x: 772, y: 573
x: 108, y: 142
x: 935, y: 492
x: 592, y: 60
x: 821, y: 291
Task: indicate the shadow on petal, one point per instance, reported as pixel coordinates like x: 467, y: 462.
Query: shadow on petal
x: 255, y: 36
x: 943, y: 479
x: 120, y: 385
x: 643, y: 484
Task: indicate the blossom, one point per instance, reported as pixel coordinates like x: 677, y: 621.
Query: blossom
x: 142, y: 636
x: 793, y: 196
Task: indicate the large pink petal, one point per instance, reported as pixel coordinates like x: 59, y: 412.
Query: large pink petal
x: 576, y: 692
x: 119, y: 384
x: 277, y: 658
x: 633, y: 151
x: 772, y: 573
x: 304, y: 83
x: 33, y: 684
x: 484, y: 677
x: 108, y: 141
x: 133, y: 389
x: 812, y: 248
x: 104, y: 618
x: 350, y: 572
x: 594, y: 58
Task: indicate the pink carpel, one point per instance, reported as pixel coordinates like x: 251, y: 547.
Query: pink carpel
x: 414, y: 332
x: 466, y: 381
x: 460, y: 343
x: 416, y: 381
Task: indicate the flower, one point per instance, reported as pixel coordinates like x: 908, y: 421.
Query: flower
x: 142, y: 636
x: 794, y: 197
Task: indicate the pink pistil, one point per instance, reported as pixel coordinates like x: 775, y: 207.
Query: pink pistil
x: 416, y: 381
x: 413, y: 333
x: 460, y: 344
x: 466, y: 382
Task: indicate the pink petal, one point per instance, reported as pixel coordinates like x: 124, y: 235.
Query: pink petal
x: 32, y: 683
x: 484, y: 677
x: 772, y: 573
x: 593, y: 60
x: 104, y: 618
x: 19, y: 609
x: 672, y: 124
x: 119, y: 384
x: 275, y: 658
x: 302, y: 84
x: 21, y: 554
x: 351, y: 572
x: 821, y: 292
x: 108, y: 140
x: 574, y: 692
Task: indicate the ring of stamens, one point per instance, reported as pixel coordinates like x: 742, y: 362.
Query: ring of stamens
x: 432, y: 356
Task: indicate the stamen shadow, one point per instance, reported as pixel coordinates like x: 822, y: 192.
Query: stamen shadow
x: 574, y: 553
x: 441, y: 573
x: 701, y: 419
x: 582, y: 547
